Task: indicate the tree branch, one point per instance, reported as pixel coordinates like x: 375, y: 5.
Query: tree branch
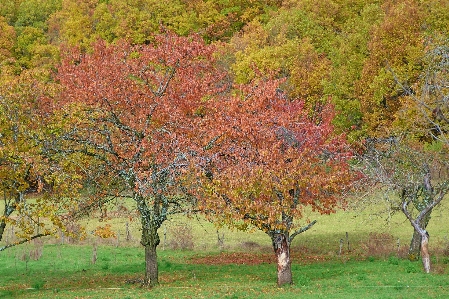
x: 24, y: 241
x: 301, y: 230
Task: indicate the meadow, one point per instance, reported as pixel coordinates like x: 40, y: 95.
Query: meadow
x: 198, y: 261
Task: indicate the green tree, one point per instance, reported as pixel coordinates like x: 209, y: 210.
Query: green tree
x: 348, y: 57
x: 73, y: 24
x: 8, y: 10
x: 35, y: 13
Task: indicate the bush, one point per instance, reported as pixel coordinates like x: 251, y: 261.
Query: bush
x: 380, y: 245
x: 181, y: 237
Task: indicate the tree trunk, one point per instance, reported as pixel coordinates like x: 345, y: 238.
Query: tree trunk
x: 150, y: 240
x: 415, y: 244
x: 282, y: 250
x: 425, y: 252
x: 2, y: 228
x: 8, y: 210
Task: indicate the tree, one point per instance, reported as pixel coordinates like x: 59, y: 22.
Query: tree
x: 38, y: 189
x: 348, y: 56
x: 73, y: 24
x: 426, y: 103
x: 420, y: 101
x: 7, y: 43
x: 268, y: 161
x: 377, y: 90
x: 424, y: 112
x: 413, y: 179
x: 34, y: 13
x: 135, y: 109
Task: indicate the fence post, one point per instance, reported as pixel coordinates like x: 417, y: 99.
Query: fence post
x: 347, y: 241
x: 128, y: 233
x: 398, y: 245
x: 165, y: 237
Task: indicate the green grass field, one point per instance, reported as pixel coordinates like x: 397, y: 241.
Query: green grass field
x: 243, y: 267
x: 66, y: 271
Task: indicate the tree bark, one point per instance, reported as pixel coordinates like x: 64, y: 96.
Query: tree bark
x: 425, y: 252
x: 2, y: 228
x: 150, y: 240
x: 282, y: 250
x: 415, y: 244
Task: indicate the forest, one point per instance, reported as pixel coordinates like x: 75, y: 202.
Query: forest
x: 257, y: 115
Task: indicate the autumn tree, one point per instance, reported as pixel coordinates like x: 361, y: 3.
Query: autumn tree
x: 396, y: 43
x: 135, y: 108
x: 413, y: 179
x: 425, y: 111
x: 269, y: 162
x: 39, y: 190
x: 7, y: 43
x: 289, y: 51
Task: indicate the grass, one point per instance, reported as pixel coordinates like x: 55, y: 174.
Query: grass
x: 62, y: 270
x: 65, y: 271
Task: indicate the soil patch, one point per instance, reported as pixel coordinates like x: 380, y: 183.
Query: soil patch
x: 243, y: 258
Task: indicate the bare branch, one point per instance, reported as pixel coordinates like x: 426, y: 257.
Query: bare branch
x: 301, y: 230
x: 24, y: 240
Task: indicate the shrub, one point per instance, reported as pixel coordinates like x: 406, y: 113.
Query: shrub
x: 181, y: 237
x: 380, y: 245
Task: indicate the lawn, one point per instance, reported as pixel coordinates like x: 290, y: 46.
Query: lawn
x: 66, y: 271
x: 242, y: 266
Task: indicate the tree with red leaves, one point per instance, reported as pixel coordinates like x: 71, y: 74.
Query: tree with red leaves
x: 269, y: 160
x: 135, y: 109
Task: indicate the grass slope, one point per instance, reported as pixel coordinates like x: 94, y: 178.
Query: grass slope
x: 66, y: 271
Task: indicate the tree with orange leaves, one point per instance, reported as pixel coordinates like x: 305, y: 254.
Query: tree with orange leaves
x: 135, y: 109
x: 269, y: 160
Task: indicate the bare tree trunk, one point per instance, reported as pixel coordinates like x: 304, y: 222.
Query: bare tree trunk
x: 2, y: 228
x: 150, y: 240
x: 415, y: 244
x: 8, y: 210
x: 282, y: 250
x: 425, y: 252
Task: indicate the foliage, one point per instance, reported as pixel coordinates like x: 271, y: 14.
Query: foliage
x: 271, y: 160
x: 376, y: 88
x: 135, y: 109
x: 7, y: 43
x: 37, y: 188
x: 82, y: 22
x: 34, y: 13
x: 425, y: 112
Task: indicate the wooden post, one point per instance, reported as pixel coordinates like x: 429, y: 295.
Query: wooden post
x: 398, y: 244
x: 128, y: 233
x: 347, y: 241
x: 341, y: 246
x: 165, y: 237
x: 220, y: 240
x: 94, y: 254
